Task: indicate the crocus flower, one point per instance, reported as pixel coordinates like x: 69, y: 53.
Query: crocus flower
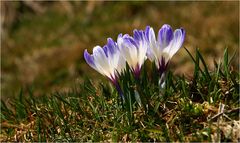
x: 166, y: 45
x: 107, y: 61
x: 133, y: 50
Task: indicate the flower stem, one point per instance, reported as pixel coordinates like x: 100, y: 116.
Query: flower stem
x: 119, y: 90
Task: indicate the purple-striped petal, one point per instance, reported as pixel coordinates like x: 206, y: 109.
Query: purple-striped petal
x: 183, y: 34
x: 137, y: 35
x: 126, y: 40
x: 130, y: 42
x: 89, y: 58
x: 147, y: 33
x: 99, y: 52
x: 126, y: 36
x: 152, y: 43
x: 128, y: 49
x: 111, y: 46
x: 179, y: 36
x: 120, y: 35
x: 165, y: 35
x: 105, y: 49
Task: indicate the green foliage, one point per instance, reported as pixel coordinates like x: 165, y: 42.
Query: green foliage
x: 185, y: 109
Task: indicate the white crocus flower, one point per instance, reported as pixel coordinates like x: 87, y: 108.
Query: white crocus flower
x: 133, y: 49
x: 165, y: 46
x: 107, y: 61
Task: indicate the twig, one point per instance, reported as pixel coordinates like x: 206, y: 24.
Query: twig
x: 224, y: 113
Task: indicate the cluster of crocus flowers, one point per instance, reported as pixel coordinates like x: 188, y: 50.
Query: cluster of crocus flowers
x: 110, y: 60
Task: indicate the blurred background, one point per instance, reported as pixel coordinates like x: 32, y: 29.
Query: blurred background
x: 42, y: 43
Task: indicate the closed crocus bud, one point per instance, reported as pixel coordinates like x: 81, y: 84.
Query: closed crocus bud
x: 133, y: 49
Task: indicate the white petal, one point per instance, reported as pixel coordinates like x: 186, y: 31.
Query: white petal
x: 101, y: 61
x: 128, y: 51
x: 165, y: 36
x: 179, y: 35
x: 150, y: 37
x: 150, y: 54
x: 121, y: 64
x: 154, y: 46
x: 142, y: 52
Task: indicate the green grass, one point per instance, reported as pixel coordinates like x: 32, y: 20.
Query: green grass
x: 186, y: 109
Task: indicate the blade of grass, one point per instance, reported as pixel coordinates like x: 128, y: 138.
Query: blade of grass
x: 225, y: 63
x: 205, y: 65
x: 196, y: 62
x: 21, y: 112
